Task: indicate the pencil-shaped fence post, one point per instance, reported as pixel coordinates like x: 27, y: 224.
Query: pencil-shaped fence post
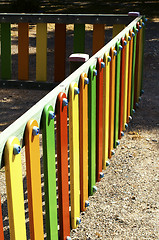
x: 92, y: 129
x: 136, y: 66
x: 60, y: 52
x: 79, y: 38
x: 133, y: 71
x: 48, y: 137
x: 126, y: 83
x: 41, y: 52
x: 142, y: 61
x: 106, y: 83
x: 113, y: 53
x: 99, y: 118
x: 33, y: 172
x: 98, y: 37
x: 129, y: 76
x: 122, y: 77
x: 117, y: 93
x: 83, y: 134
x: 14, y: 183
x: 62, y: 165
x: 6, y: 51
x: 1, y: 223
x: 74, y: 154
x: 117, y: 28
x: 23, y: 51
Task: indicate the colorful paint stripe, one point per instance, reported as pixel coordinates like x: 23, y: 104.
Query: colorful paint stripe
x: 33, y: 173
x: 1, y: 223
x: 62, y: 165
x: 48, y: 137
x: 98, y: 37
x: 74, y: 153
x: 79, y: 38
x: 14, y: 183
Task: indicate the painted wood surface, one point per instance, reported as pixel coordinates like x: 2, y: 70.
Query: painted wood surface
x: 122, y: 77
x: 98, y: 37
x: 99, y: 119
x: 79, y: 38
x: 91, y: 130
x: 129, y: 76
x: 41, y: 52
x: 60, y: 52
x: 106, y: 86
x: 62, y: 166
x: 117, y: 94
x: 6, y: 51
x: 111, y: 102
x: 33, y: 172
x: 14, y: 183
x: 23, y: 51
x: 1, y: 223
x: 133, y: 71
x: 126, y: 83
x: 117, y: 28
x: 136, y: 65
x: 140, y: 61
x: 48, y: 139
x: 83, y: 134
x: 74, y: 153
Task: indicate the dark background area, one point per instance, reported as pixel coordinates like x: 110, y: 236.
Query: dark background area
x: 149, y: 8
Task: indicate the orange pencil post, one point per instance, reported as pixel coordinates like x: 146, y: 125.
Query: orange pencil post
x: 60, y: 52
x: 33, y: 171
x: 83, y: 133
x: 98, y: 37
x: 113, y: 53
x: 129, y: 76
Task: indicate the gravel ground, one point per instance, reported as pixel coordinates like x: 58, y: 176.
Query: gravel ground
x: 126, y: 205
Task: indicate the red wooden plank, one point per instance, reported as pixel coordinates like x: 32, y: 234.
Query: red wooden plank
x: 99, y: 117
x: 1, y: 223
x: 62, y: 165
x: 122, y: 74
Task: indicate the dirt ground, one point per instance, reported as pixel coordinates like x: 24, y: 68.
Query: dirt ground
x: 126, y: 205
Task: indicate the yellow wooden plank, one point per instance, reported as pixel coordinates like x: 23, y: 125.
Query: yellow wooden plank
x: 139, y: 62
x: 74, y: 154
x: 117, y: 28
x: 15, y: 198
x: 41, y: 52
x: 126, y: 82
x: 33, y: 170
x: 106, y: 86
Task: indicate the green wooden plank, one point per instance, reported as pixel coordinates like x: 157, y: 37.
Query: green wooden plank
x: 49, y: 173
x: 133, y: 71
x: 117, y: 94
x: 5, y: 51
x: 91, y: 130
x: 79, y: 38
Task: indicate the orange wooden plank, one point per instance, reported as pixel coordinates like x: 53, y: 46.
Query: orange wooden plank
x: 83, y: 134
x: 60, y: 52
x: 33, y: 171
x: 111, y: 101
x: 23, y: 51
x: 62, y: 165
x: 98, y: 37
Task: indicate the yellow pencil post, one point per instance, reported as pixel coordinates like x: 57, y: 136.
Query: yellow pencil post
x: 14, y: 182
x: 126, y: 82
x: 106, y: 83
x: 41, y: 52
x: 74, y: 154
x: 139, y: 62
x: 117, y: 28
